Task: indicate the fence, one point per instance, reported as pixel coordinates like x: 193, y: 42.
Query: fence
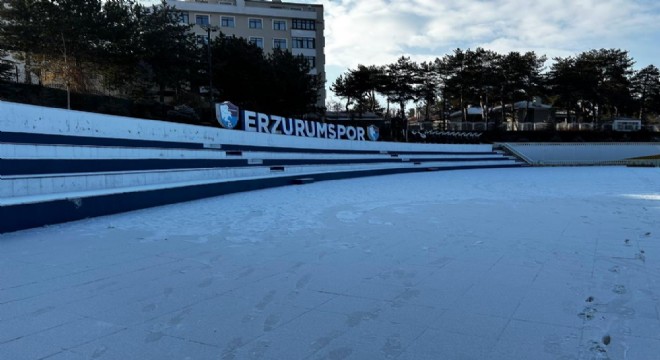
x: 538, y: 126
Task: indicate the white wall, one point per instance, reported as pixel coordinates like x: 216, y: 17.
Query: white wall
x: 583, y: 153
x: 35, y: 119
x: 22, y: 118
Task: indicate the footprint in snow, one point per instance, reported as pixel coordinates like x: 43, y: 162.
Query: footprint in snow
x: 607, y: 339
x: 588, y: 313
x: 598, y: 348
x: 619, y: 289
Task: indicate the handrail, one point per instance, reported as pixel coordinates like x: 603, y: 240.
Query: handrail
x: 517, y: 154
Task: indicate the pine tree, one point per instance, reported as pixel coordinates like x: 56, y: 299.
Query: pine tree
x: 21, y: 32
x: 165, y: 45
x: 5, y: 66
x: 403, y: 76
x: 293, y: 90
x: 429, y: 86
x: 239, y: 70
x: 646, y: 90
x: 359, y: 86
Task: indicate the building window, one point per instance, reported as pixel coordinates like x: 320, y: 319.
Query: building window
x: 303, y: 43
x: 257, y: 41
x: 303, y: 24
x: 279, y: 24
x: 227, y: 21
x: 184, y: 18
x: 311, y: 60
x: 202, y: 39
x: 202, y: 20
x: 255, y: 23
x: 279, y: 43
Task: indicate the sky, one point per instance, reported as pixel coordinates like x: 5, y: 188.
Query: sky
x: 377, y: 32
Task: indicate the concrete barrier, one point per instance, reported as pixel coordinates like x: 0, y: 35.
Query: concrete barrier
x: 567, y: 154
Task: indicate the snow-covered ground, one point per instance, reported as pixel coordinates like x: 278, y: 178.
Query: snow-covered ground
x: 529, y: 263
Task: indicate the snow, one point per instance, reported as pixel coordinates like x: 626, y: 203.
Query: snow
x: 582, y: 153
x: 525, y: 263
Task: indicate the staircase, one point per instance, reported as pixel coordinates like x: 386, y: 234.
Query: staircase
x: 55, y: 173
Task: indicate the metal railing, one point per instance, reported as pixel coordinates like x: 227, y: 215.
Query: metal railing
x: 536, y: 126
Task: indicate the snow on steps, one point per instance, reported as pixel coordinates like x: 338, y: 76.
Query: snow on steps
x: 58, y: 165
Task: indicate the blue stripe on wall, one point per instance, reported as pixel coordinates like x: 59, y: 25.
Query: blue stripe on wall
x: 14, y: 167
x: 49, y: 139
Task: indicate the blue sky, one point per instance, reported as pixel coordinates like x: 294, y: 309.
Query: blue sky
x: 379, y: 31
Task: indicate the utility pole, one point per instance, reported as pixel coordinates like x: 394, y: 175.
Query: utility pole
x: 210, y: 29
x: 66, y: 75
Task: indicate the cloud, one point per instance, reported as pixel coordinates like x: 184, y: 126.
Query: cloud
x: 379, y: 31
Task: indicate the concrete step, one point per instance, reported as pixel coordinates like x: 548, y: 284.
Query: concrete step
x: 63, y: 185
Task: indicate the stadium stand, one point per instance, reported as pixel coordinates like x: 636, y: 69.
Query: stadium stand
x: 58, y: 165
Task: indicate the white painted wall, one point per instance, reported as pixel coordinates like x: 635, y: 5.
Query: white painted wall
x: 583, y: 153
x: 40, y: 120
x: 31, y: 151
x: 36, y: 119
x: 20, y: 190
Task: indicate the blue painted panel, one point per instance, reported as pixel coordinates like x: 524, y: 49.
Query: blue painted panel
x: 72, y: 166
x: 49, y: 139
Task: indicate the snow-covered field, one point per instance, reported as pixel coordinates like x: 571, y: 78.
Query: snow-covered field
x: 529, y: 263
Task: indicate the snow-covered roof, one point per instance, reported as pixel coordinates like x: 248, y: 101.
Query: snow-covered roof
x: 470, y: 111
x: 531, y: 105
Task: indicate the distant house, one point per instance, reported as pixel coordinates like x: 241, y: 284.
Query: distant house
x: 533, y: 111
x: 626, y: 124
x: 474, y: 114
x: 563, y: 116
x: 527, y: 112
x: 354, y: 119
x: 351, y: 116
x: 533, y: 114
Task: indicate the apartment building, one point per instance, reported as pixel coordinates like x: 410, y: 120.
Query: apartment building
x: 268, y: 24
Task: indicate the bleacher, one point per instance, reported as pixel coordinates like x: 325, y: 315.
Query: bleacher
x: 58, y: 165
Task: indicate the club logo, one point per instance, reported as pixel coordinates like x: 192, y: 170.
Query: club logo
x: 227, y: 114
x: 373, y: 132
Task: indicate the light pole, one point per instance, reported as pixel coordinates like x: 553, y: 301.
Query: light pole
x: 66, y: 75
x: 210, y: 29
